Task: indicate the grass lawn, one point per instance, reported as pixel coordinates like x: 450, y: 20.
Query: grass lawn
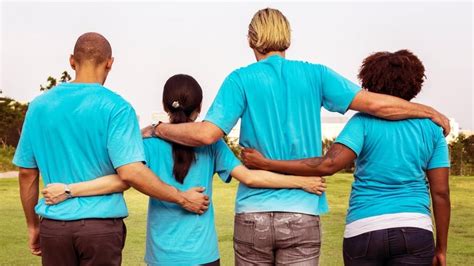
x: 14, y: 251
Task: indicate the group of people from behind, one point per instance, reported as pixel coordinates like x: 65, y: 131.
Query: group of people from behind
x: 400, y: 153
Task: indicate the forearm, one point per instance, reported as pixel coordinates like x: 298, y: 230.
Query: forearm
x: 29, y: 192
x: 316, y: 166
x: 337, y: 157
x: 390, y: 107
x: 144, y: 180
x: 442, y: 214
x: 190, y: 134
x: 99, y: 186
x: 265, y: 179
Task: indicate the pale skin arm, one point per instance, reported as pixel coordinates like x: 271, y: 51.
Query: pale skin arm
x: 337, y: 157
x: 394, y: 108
x: 265, y: 179
x: 29, y: 192
x: 142, y: 179
x: 379, y: 105
x: 55, y: 193
x: 439, y: 187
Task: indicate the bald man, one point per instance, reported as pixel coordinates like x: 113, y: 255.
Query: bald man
x: 74, y: 133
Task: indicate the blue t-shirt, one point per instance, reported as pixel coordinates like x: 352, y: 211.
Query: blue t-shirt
x: 174, y: 235
x: 392, y: 157
x: 279, y: 102
x: 74, y: 133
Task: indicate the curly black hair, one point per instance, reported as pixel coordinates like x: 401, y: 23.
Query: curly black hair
x: 399, y: 74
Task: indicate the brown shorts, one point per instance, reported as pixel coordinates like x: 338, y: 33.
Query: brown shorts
x: 276, y: 238
x: 82, y: 242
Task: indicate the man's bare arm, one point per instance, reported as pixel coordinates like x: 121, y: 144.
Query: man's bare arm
x: 29, y: 192
x: 190, y: 134
x: 394, y: 108
x: 144, y: 180
x: 337, y: 157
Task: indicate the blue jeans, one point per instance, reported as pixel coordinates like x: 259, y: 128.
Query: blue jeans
x: 393, y: 246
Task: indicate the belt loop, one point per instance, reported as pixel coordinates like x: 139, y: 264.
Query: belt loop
x: 83, y: 222
x: 63, y: 223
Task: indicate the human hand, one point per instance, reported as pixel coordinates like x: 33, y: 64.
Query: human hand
x: 315, y: 185
x: 253, y: 159
x: 442, y: 121
x: 34, y: 241
x: 439, y: 259
x: 195, y: 200
x: 54, y: 193
x: 147, y: 132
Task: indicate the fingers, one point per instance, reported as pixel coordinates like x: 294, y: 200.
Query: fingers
x: 199, y: 189
x: 35, y: 251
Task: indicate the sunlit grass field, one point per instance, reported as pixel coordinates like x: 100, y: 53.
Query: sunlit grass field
x: 13, y: 237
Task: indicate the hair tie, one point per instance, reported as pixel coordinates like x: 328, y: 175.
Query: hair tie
x: 175, y: 104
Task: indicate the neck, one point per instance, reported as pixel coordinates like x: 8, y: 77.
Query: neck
x: 260, y: 56
x: 90, y: 75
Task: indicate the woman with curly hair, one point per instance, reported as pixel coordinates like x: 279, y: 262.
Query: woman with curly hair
x: 398, y: 164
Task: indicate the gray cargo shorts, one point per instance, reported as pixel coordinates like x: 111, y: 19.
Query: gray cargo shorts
x: 277, y: 238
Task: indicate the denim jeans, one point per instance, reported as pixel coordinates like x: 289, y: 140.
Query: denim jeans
x: 393, y: 246
x: 276, y: 238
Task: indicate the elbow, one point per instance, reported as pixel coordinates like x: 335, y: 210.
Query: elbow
x: 207, y: 139
x: 442, y: 195
x: 329, y: 168
x: 248, y: 181
x: 123, y: 186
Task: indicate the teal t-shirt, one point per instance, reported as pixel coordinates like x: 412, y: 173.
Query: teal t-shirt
x: 174, y: 235
x: 279, y: 103
x: 74, y: 133
x: 392, y: 158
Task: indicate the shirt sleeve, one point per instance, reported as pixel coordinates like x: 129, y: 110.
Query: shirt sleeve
x: 24, y: 155
x: 225, y: 160
x: 228, y: 106
x: 440, y: 157
x: 337, y: 91
x: 124, y: 142
x: 352, y: 136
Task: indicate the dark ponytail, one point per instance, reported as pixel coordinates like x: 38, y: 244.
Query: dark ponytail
x: 182, y: 95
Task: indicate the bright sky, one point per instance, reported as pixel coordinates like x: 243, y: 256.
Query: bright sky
x: 153, y: 40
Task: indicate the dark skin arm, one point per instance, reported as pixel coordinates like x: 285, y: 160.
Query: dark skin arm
x: 439, y: 187
x: 29, y: 192
x: 337, y: 157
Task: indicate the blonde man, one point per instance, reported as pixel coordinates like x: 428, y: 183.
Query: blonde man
x: 279, y: 103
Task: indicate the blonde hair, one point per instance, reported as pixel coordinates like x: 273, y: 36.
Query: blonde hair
x: 269, y: 31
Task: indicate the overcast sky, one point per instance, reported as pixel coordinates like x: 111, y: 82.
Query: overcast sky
x: 153, y: 40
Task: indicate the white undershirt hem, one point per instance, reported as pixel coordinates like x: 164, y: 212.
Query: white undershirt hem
x: 385, y: 221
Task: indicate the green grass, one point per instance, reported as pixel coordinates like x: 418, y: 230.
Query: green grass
x: 6, y: 155
x: 14, y: 251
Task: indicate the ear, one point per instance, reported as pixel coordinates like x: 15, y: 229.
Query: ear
x: 72, y: 62
x: 109, y: 64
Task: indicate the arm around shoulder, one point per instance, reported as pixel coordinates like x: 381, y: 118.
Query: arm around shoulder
x: 190, y: 134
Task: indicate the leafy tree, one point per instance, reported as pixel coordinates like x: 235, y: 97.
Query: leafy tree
x: 233, y: 144
x: 12, y: 114
x: 461, y: 151
x: 51, y: 81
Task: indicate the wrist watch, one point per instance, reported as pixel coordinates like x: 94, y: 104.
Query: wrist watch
x: 154, y: 126
x: 67, y: 190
